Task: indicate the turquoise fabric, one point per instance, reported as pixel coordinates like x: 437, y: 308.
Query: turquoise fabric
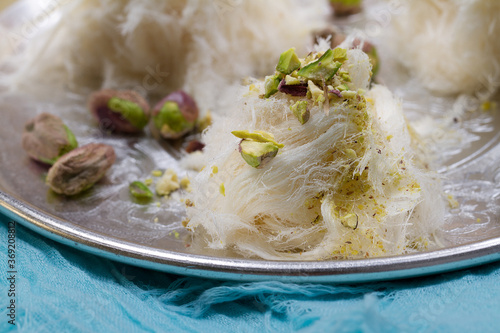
x: 59, y: 289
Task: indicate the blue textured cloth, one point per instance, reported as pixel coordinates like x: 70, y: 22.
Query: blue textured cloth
x: 59, y: 289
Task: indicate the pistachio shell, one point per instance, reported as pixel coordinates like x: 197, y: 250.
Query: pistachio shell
x: 80, y: 169
x: 46, y: 138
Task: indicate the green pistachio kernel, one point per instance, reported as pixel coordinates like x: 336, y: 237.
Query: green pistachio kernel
x: 339, y: 54
x: 129, y: 110
x: 348, y: 94
x: 170, y: 119
x: 315, y: 93
x: 346, y: 77
x: 289, y: 61
x: 271, y: 85
x: 257, y: 154
x: 301, y: 111
x: 258, y: 136
x: 140, y: 190
x: 342, y: 87
x: 322, y: 69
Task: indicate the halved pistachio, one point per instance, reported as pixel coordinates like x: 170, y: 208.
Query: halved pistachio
x: 80, y: 169
x: 272, y: 83
x: 257, y: 154
x: 46, y: 138
x: 288, y: 62
x: 175, y: 115
x: 301, y: 111
x: 324, y: 68
x: 123, y: 111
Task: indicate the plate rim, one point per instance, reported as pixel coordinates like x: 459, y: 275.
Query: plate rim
x: 327, y: 271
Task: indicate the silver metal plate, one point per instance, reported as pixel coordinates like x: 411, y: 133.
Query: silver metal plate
x: 104, y: 220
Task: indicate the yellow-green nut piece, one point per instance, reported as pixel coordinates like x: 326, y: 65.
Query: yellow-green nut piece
x: 257, y: 154
x: 271, y: 85
x: 46, y: 138
x: 139, y: 190
x: 301, y: 111
x: 322, y: 69
x: 350, y: 221
x: 339, y: 54
x: 258, y: 136
x: 291, y: 81
x: 316, y: 94
x: 288, y: 62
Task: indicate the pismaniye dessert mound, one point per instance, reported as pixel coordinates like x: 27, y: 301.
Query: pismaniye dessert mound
x: 311, y: 164
x: 159, y: 46
x: 451, y: 47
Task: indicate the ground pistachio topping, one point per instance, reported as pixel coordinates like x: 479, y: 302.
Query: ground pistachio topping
x: 319, y: 76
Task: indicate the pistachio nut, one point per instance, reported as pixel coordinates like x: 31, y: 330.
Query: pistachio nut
x: 80, y: 169
x: 325, y: 67
x: 345, y: 7
x: 271, y: 85
x: 301, y: 111
x: 46, y: 138
x: 257, y: 154
x: 257, y: 148
x: 259, y: 136
x: 123, y: 111
x: 175, y: 115
x: 288, y: 62
x: 338, y: 37
x: 293, y: 89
